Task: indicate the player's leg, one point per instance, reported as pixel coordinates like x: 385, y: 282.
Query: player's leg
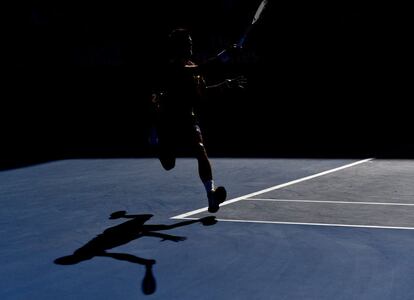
x: 166, y: 148
x: 215, y: 196
x: 167, y: 161
x: 204, y: 167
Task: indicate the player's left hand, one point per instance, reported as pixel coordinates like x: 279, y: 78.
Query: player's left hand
x: 237, y: 82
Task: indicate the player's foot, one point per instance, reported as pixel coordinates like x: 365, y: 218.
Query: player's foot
x: 215, y: 198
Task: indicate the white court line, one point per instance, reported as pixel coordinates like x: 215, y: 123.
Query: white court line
x: 330, y: 202
x: 185, y: 215
x: 311, y: 224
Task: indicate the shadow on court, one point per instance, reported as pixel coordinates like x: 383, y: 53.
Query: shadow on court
x: 124, y: 233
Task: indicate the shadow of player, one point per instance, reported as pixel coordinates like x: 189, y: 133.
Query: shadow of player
x: 124, y: 233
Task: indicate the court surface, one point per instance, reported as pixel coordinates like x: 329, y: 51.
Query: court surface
x: 127, y: 229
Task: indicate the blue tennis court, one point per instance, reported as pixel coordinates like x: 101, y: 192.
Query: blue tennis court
x: 127, y: 229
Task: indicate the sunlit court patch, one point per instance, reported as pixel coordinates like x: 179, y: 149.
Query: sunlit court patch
x: 370, y: 193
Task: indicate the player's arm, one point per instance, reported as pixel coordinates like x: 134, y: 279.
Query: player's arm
x: 216, y: 63
x: 229, y: 83
x: 229, y: 54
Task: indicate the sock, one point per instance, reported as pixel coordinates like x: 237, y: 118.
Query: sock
x: 209, y: 185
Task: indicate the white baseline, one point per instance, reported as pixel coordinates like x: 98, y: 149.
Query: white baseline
x: 186, y: 215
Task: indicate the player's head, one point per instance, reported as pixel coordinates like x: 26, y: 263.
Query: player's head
x: 180, y: 43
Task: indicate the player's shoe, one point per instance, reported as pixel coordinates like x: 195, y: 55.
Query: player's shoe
x: 216, y: 197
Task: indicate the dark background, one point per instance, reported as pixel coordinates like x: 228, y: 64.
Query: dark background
x: 324, y: 79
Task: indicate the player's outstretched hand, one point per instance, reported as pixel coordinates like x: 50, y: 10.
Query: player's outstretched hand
x: 234, y: 50
x: 237, y: 82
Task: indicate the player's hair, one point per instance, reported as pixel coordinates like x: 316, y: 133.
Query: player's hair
x: 178, y: 43
x: 178, y: 35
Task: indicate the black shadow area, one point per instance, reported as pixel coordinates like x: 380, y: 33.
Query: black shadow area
x: 124, y: 233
